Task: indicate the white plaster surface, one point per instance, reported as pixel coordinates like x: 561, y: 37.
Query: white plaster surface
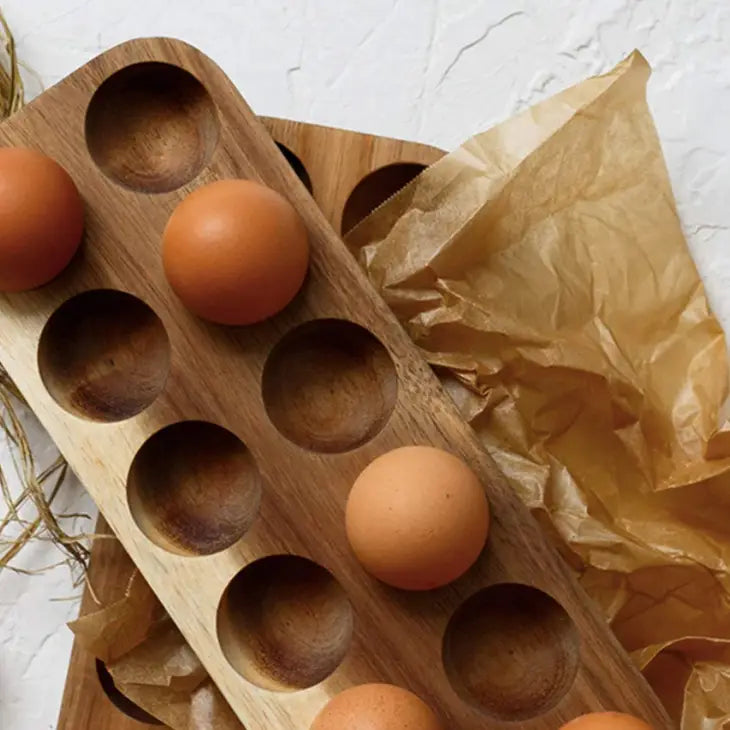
x: 434, y: 71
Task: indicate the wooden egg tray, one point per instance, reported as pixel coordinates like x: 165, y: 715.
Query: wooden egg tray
x: 247, y: 550
x: 349, y: 174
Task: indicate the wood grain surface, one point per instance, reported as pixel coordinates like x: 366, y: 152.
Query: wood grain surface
x: 165, y: 133
x: 333, y: 164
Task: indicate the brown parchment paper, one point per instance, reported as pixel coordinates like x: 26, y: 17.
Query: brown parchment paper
x: 541, y: 268
x: 151, y: 663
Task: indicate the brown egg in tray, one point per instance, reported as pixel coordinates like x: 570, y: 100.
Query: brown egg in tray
x: 130, y: 385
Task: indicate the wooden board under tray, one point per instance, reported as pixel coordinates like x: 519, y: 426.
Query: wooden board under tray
x: 130, y: 385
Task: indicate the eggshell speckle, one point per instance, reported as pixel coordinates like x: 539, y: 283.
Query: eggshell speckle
x: 606, y: 721
x: 376, y: 707
x: 235, y: 252
x: 417, y: 517
x: 41, y: 219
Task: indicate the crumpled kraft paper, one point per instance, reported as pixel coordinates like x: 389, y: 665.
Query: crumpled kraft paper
x: 541, y: 268
x: 152, y: 664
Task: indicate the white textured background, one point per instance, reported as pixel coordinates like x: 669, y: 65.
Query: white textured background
x: 434, y: 71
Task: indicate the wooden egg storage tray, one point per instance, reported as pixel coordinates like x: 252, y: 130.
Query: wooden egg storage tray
x: 107, y: 372
x: 348, y: 174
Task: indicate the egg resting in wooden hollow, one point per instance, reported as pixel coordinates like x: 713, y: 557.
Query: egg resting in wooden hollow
x: 417, y: 518
x: 41, y: 219
x: 606, y: 721
x: 235, y: 252
x: 376, y: 707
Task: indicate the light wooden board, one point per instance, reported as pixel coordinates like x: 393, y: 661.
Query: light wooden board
x: 337, y: 163
x: 216, y: 376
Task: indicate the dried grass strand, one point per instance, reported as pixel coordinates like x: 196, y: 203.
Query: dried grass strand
x: 12, y: 92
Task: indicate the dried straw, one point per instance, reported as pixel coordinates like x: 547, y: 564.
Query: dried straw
x: 11, y: 85
x: 38, y: 488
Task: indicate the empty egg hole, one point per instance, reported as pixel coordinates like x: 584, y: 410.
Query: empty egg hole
x: 511, y: 651
x: 151, y: 127
x: 121, y: 701
x: 374, y: 189
x: 104, y: 355
x: 284, y: 623
x: 297, y: 165
x: 193, y: 488
x: 329, y: 385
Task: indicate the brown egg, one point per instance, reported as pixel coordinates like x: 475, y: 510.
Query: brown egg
x: 417, y: 517
x: 376, y: 707
x: 235, y: 252
x: 41, y: 219
x: 606, y: 721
